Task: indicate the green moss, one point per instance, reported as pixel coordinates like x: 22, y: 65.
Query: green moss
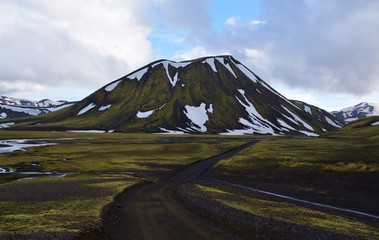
x: 323, y: 154
x: 117, y: 155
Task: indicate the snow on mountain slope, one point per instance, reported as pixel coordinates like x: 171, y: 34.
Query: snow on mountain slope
x: 320, y: 114
x: 198, y: 116
x: 13, y: 107
x: 10, y: 101
x: 358, y: 111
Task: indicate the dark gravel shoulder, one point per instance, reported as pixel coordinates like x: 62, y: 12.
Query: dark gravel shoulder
x: 248, y: 225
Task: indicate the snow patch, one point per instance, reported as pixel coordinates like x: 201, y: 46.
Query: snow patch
x: 86, y: 131
x: 19, y: 145
x: 103, y: 108
x: 298, y: 119
x: 210, y: 109
x: 6, y: 170
x: 221, y: 60
x: 309, y: 134
x: 138, y: 75
x: 261, y: 125
x: 307, y: 109
x: 176, y: 65
x: 375, y: 123
x: 145, y: 114
x: 198, y: 115
x: 211, y: 63
x: 347, y: 120
x: 331, y: 122
x: 247, y: 72
x: 86, y: 109
x: 183, y: 85
x: 30, y: 111
x: 285, y: 125
x: 53, y: 109
x: 110, y: 87
x: 166, y: 131
x: 175, y: 79
x: 3, y: 115
x: 6, y: 125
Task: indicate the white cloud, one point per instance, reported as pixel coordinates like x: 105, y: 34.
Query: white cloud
x: 259, y: 59
x: 196, y: 52
x: 321, y: 45
x: 327, y: 46
x: 79, y: 42
x: 20, y: 86
x: 232, y: 21
x: 257, y: 22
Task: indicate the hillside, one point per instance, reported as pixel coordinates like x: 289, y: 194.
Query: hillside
x: 319, y: 113
x: 365, y: 128
x: 206, y: 95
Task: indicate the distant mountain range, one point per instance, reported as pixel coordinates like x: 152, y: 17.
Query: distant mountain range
x: 215, y: 94
x: 14, y: 107
x: 358, y: 111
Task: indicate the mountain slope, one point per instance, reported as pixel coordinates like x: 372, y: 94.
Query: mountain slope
x: 358, y: 111
x: 319, y: 113
x: 16, y: 108
x: 212, y: 94
x: 365, y: 128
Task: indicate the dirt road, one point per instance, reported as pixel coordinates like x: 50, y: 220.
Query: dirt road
x: 151, y: 211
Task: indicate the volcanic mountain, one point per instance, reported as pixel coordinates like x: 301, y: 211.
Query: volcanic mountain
x: 206, y: 95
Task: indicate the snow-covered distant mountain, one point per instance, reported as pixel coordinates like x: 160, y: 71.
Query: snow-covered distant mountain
x: 10, y: 101
x: 216, y: 94
x: 358, y: 111
x: 14, y: 107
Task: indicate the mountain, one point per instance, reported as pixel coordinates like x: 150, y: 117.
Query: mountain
x: 15, y: 108
x: 206, y: 95
x: 358, y: 111
x: 10, y: 101
x: 320, y: 114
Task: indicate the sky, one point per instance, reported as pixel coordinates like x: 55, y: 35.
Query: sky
x: 324, y: 52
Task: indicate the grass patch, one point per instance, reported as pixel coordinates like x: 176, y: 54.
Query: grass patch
x: 116, y: 155
x: 323, y: 154
x: 288, y: 212
x: 76, y: 208
x: 71, y: 203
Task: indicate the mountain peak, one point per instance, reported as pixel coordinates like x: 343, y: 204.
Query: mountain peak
x: 213, y: 94
x: 361, y: 110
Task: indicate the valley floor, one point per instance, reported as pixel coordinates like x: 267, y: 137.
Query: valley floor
x: 184, y: 188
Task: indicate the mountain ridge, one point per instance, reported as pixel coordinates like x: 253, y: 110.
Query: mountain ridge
x: 11, y: 107
x: 214, y: 94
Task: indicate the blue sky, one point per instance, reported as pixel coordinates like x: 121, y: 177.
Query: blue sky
x: 324, y: 52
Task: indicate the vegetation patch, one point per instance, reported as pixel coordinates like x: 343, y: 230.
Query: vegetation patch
x: 287, y: 212
x: 98, y: 167
x: 65, y: 205
x: 324, y: 154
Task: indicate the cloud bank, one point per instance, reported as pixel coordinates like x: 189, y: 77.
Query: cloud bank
x: 324, y: 45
